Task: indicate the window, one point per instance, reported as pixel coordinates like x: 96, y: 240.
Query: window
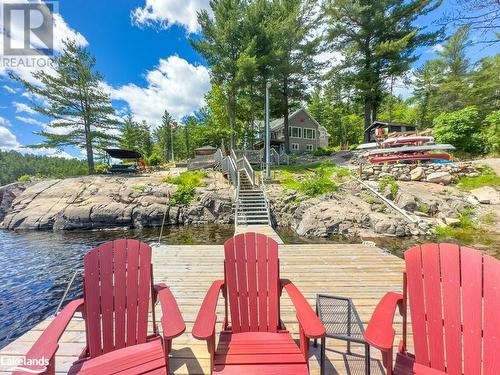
x: 309, y: 133
x: 295, y: 146
x: 295, y: 132
x: 309, y: 147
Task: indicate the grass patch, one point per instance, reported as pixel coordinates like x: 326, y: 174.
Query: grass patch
x: 140, y: 188
x: 24, y: 178
x: 489, y: 218
x: 392, y: 183
x: 315, y: 179
x: 466, y: 231
x: 182, y: 196
x: 423, y: 207
x: 487, y: 177
x: 190, y: 178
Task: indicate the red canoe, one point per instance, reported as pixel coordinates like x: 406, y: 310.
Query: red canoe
x: 402, y: 157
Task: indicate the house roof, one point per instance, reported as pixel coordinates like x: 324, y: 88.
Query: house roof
x: 279, y: 122
x: 205, y: 148
x: 387, y: 123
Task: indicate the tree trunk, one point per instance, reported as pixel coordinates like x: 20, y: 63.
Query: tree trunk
x: 231, y: 119
x: 368, y: 118
x: 88, y: 147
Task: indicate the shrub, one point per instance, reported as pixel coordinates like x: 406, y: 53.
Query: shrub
x: 183, y: 195
x: 101, y: 168
x: 317, y: 182
x: 461, y: 129
x: 191, y: 178
x: 389, y: 181
x: 24, y: 178
x: 322, y: 152
x: 423, y: 207
x: 154, y: 159
x: 491, y: 133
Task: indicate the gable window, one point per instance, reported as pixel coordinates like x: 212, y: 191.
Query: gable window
x: 295, y: 146
x: 295, y: 132
x: 309, y: 147
x: 309, y: 133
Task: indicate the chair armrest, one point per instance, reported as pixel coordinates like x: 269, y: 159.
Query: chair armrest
x: 47, y: 344
x: 309, y: 321
x: 380, y: 332
x: 171, y: 320
x: 204, y: 326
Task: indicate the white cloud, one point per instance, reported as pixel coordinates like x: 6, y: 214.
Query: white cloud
x: 404, y: 85
x: 29, y: 120
x: 21, y: 107
x: 9, y: 89
x: 8, y: 140
x: 174, y: 85
x: 4, y: 121
x: 437, y: 48
x: 166, y: 13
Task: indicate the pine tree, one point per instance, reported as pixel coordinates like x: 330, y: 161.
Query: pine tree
x: 129, y: 134
x: 378, y: 39
x: 81, y: 111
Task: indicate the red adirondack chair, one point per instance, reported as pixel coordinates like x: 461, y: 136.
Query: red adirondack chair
x: 254, y: 339
x: 454, y: 297
x: 117, y: 289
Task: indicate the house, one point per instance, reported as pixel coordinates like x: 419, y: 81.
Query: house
x: 306, y: 134
x: 387, y: 127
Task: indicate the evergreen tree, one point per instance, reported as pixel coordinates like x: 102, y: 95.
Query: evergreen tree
x: 221, y: 44
x: 162, y: 136
x: 81, y: 111
x: 291, y: 29
x: 425, y: 94
x: 378, y: 39
x: 129, y: 134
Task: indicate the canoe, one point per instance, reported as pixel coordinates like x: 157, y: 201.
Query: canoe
x: 403, y: 149
x: 406, y: 140
x: 408, y: 157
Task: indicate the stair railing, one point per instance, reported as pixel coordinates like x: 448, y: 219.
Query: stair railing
x: 266, y: 201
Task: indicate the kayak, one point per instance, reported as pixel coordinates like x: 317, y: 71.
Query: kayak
x: 408, y: 157
x: 405, y: 140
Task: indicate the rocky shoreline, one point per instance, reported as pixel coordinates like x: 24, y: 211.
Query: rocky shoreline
x: 103, y: 201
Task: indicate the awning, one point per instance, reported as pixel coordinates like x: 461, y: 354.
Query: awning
x: 118, y: 153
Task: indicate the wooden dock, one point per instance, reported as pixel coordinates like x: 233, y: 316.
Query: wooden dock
x: 264, y: 229
x: 361, y: 272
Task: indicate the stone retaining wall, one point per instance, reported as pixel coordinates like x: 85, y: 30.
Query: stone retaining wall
x: 436, y: 173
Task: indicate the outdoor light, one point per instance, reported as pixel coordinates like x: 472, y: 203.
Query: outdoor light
x: 268, y: 133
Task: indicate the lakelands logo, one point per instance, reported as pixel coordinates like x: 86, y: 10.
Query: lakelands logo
x: 27, y: 34
x: 29, y: 365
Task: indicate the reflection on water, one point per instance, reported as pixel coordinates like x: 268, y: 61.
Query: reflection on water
x: 35, y: 267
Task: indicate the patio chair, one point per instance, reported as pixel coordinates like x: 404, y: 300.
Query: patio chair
x: 454, y: 297
x: 117, y: 290
x: 253, y: 338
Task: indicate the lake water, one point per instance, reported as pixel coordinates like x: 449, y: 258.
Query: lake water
x: 35, y: 267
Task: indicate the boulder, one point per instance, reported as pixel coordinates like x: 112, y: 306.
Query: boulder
x: 440, y: 178
x: 486, y: 195
x: 417, y: 174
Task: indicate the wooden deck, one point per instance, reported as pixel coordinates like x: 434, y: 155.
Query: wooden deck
x: 361, y: 272
x: 264, y: 229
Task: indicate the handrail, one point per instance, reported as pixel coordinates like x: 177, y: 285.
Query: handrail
x: 249, y: 170
x: 266, y: 201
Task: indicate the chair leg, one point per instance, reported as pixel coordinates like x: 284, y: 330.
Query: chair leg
x: 322, y: 356
x: 367, y: 359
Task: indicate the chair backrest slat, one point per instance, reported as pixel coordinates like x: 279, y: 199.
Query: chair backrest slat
x: 252, y: 279
x: 433, y: 309
x: 450, y: 274
x: 117, y: 290
x: 414, y: 276
x: 472, y: 279
x: 450, y: 290
x: 491, y: 325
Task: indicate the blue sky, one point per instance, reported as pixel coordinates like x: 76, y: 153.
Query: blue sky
x: 142, y: 49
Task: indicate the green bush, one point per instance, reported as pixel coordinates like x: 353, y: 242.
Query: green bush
x: 183, y: 195
x: 491, y: 133
x: 24, y: 178
x: 461, y: 128
x: 322, y: 152
x: 389, y: 181
x: 191, y: 178
x: 154, y: 159
x: 101, y: 168
x: 317, y: 182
